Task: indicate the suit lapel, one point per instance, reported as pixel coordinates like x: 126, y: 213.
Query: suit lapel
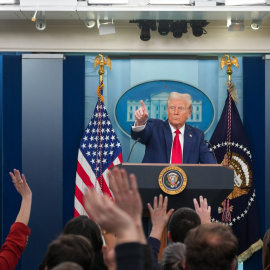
x: 168, y: 139
x: 187, y: 143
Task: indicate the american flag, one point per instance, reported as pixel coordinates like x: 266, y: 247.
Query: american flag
x: 99, y: 150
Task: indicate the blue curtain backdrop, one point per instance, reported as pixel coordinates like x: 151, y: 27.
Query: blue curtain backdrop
x: 79, y: 99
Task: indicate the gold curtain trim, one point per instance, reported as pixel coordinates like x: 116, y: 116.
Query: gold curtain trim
x: 252, y: 249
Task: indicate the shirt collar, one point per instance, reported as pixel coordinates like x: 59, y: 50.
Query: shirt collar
x: 182, y: 129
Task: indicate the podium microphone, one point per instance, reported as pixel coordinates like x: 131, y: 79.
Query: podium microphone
x: 132, y: 148
x: 212, y: 149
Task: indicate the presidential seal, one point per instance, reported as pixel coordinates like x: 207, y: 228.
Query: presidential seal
x: 172, y: 180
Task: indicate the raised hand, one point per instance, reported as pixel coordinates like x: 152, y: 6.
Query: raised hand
x: 20, y: 183
x: 159, y: 215
x: 203, y: 210
x: 141, y: 115
x: 126, y: 195
x: 109, y: 216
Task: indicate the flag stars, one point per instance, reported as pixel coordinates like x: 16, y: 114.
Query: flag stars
x: 85, y: 138
x: 107, y: 138
x: 83, y: 145
x: 111, y: 153
x: 87, y: 130
x: 118, y: 144
x: 88, y: 153
x: 107, y: 130
x: 106, y: 145
x: 91, y: 138
x: 112, y: 145
x: 113, y: 137
x: 90, y: 146
x: 92, y: 161
x: 104, y: 161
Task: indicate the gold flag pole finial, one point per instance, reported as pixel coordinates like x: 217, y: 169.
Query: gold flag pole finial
x: 102, y: 63
x: 228, y: 62
x: 101, y: 72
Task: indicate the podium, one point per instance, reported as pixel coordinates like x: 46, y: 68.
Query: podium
x: 213, y: 181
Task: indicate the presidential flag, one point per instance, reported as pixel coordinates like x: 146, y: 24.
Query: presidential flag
x: 99, y: 150
x: 239, y: 209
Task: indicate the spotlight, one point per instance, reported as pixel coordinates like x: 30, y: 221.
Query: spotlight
x: 256, y: 24
x: 40, y: 20
x: 178, y: 28
x: 164, y: 27
x: 145, y: 26
x: 89, y: 23
x: 197, y: 27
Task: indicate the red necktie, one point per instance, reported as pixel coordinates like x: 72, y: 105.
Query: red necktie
x: 176, y: 149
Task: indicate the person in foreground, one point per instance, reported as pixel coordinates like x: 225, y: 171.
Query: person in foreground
x: 211, y: 246
x: 173, y: 257
x: 123, y: 217
x: 17, y: 238
x: 70, y: 248
x: 162, y: 138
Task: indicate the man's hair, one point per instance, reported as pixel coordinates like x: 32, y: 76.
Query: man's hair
x: 186, y: 97
x: 67, y: 266
x: 72, y: 248
x: 210, y: 246
x: 83, y: 225
x: 173, y: 257
x: 182, y: 220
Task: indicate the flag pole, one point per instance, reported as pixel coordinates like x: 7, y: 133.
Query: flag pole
x: 227, y: 61
x: 101, y: 62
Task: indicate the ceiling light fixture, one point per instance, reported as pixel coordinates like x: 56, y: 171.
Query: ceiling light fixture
x: 164, y: 27
x: 255, y: 24
x: 89, y: 23
x: 145, y: 26
x: 40, y: 20
x: 198, y: 27
x: 179, y: 28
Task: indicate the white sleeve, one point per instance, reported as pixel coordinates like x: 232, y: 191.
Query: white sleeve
x: 138, y: 128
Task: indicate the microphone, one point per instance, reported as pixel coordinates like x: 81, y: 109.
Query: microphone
x: 132, y: 148
x: 212, y: 150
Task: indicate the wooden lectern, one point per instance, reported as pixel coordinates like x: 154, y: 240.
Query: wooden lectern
x: 213, y: 181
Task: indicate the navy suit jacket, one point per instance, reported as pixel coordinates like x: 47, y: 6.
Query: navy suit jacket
x: 157, y: 137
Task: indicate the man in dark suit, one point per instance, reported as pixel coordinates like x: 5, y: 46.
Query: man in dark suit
x: 158, y: 135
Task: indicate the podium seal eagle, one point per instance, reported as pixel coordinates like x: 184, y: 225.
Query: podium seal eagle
x: 172, y: 180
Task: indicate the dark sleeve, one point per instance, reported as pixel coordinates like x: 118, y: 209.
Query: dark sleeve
x: 266, y: 251
x: 206, y: 155
x: 129, y: 256
x: 155, y: 245
x: 14, y: 245
x: 146, y: 133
